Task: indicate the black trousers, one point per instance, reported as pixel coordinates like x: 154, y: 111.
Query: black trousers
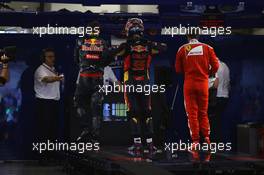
x: 47, y: 119
x: 88, y: 100
x: 139, y: 110
x: 216, y: 120
x: 47, y: 115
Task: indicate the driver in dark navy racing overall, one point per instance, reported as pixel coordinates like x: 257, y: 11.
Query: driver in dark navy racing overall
x: 137, y: 53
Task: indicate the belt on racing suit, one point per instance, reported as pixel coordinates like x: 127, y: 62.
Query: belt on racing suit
x: 96, y: 74
x: 90, y: 71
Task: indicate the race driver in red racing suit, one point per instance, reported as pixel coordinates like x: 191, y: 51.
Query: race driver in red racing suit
x: 137, y: 53
x: 196, y: 61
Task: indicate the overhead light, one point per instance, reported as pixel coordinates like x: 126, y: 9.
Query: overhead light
x: 189, y: 4
x: 241, y: 4
x: 211, y: 7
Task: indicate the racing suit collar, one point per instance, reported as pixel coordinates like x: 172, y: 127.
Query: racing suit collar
x: 193, y: 41
x: 131, y: 39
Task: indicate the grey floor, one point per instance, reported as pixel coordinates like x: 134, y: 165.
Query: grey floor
x: 29, y: 169
x: 10, y: 164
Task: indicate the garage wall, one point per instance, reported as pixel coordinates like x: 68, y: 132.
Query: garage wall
x: 29, y: 6
x: 78, y: 7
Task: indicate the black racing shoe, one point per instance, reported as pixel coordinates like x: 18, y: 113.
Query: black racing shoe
x: 136, y: 150
x: 151, y: 150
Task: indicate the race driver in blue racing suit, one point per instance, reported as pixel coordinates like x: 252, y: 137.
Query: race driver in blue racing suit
x: 92, y: 55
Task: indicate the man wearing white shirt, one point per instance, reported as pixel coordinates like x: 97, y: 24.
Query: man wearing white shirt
x: 222, y: 81
x: 222, y: 84
x: 47, y: 93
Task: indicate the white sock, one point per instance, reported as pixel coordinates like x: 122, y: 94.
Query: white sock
x: 149, y: 140
x: 137, y: 140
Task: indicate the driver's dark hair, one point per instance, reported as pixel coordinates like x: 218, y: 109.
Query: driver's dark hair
x: 94, y: 23
x: 193, y: 36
